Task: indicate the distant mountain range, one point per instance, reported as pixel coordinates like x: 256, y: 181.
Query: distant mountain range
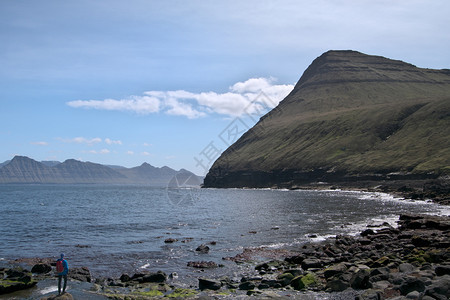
x: 22, y: 169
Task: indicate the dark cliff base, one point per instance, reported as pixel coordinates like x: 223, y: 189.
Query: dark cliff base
x: 410, y: 186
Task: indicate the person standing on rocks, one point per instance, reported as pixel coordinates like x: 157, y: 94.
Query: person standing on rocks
x: 62, y: 269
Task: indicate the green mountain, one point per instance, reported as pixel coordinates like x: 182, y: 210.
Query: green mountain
x: 351, y: 117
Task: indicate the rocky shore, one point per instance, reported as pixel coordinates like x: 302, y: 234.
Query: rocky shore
x: 411, y: 261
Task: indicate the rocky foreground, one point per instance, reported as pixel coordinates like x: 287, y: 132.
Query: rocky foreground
x: 408, y: 262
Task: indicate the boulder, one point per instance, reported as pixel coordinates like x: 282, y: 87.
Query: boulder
x: 125, y: 278
x: 406, y: 268
x: 202, y: 249
x: 294, y: 272
x: 65, y: 296
x: 247, y: 285
x: 311, y: 263
x: 157, y: 277
x: 15, y: 280
x: 285, y: 278
x: 337, y: 285
x: 41, y: 268
x: 360, y: 280
x: 411, y: 284
x: 440, y: 288
x: 80, y: 274
x: 170, y: 241
x: 304, y: 281
x: 367, y: 232
x: 335, y: 270
x: 202, y: 264
x: 209, y: 284
x: 442, y: 270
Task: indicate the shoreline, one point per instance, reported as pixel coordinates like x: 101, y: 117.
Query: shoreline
x: 383, y: 262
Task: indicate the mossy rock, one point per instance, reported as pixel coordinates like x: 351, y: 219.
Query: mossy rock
x: 304, y: 281
x: 151, y: 293
x: 285, y: 278
x: 182, y: 293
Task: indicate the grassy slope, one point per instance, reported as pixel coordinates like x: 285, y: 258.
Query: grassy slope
x: 355, y: 113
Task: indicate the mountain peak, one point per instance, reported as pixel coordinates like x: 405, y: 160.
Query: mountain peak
x: 350, y: 113
x: 336, y: 66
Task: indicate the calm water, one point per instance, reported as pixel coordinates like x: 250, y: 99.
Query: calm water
x: 117, y: 229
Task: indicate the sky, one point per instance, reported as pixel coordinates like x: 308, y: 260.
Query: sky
x: 174, y: 83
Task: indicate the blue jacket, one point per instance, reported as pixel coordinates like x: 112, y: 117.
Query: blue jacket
x: 66, y: 267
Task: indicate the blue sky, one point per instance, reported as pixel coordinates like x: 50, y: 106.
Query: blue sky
x: 175, y: 82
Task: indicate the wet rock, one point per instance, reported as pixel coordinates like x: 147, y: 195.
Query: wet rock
x: 311, y: 263
x: 202, y: 249
x: 41, y: 268
x: 285, y: 278
x: 335, y: 270
x: 406, y: 268
x: 420, y: 241
x: 125, y: 278
x: 296, y: 259
x: 369, y: 295
x: 304, y: 281
x: 170, y: 241
x: 247, y: 285
x: 294, y: 272
x: 272, y: 283
x: 360, y: 280
x: 202, y: 264
x: 80, y: 274
x: 64, y: 296
x: 440, y: 288
x: 12, y: 280
x: 413, y: 295
x: 442, y: 270
x: 209, y: 284
x: 411, y: 284
x: 157, y: 277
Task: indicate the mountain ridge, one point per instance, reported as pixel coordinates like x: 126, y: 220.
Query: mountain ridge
x: 350, y: 116
x: 22, y: 169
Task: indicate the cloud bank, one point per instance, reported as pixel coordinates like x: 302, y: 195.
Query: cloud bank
x: 248, y: 97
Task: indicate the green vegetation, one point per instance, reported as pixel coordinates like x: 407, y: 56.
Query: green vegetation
x: 353, y: 113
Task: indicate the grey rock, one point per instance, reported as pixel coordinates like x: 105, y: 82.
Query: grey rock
x: 202, y: 249
x: 440, y: 288
x: 41, y: 268
x: 209, y: 284
x: 442, y: 270
x: 247, y: 285
x: 411, y: 284
x: 335, y: 270
x: 406, y: 268
x: 360, y: 280
x: 311, y: 263
x: 413, y: 295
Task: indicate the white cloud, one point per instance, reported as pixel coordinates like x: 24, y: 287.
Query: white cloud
x: 112, y: 142
x: 137, y: 104
x: 247, y: 97
x: 145, y: 153
x: 83, y: 140
x: 103, y: 151
x: 130, y: 152
x: 39, y: 143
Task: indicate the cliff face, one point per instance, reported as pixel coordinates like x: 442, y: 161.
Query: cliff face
x: 350, y: 117
x: 22, y: 169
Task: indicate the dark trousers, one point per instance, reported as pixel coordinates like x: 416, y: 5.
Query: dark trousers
x: 59, y: 283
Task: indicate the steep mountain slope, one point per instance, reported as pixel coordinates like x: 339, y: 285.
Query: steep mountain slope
x: 350, y: 117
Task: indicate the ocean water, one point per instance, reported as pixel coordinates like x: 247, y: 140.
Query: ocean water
x: 115, y: 229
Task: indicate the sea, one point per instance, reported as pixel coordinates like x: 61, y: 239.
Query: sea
x: 116, y: 229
